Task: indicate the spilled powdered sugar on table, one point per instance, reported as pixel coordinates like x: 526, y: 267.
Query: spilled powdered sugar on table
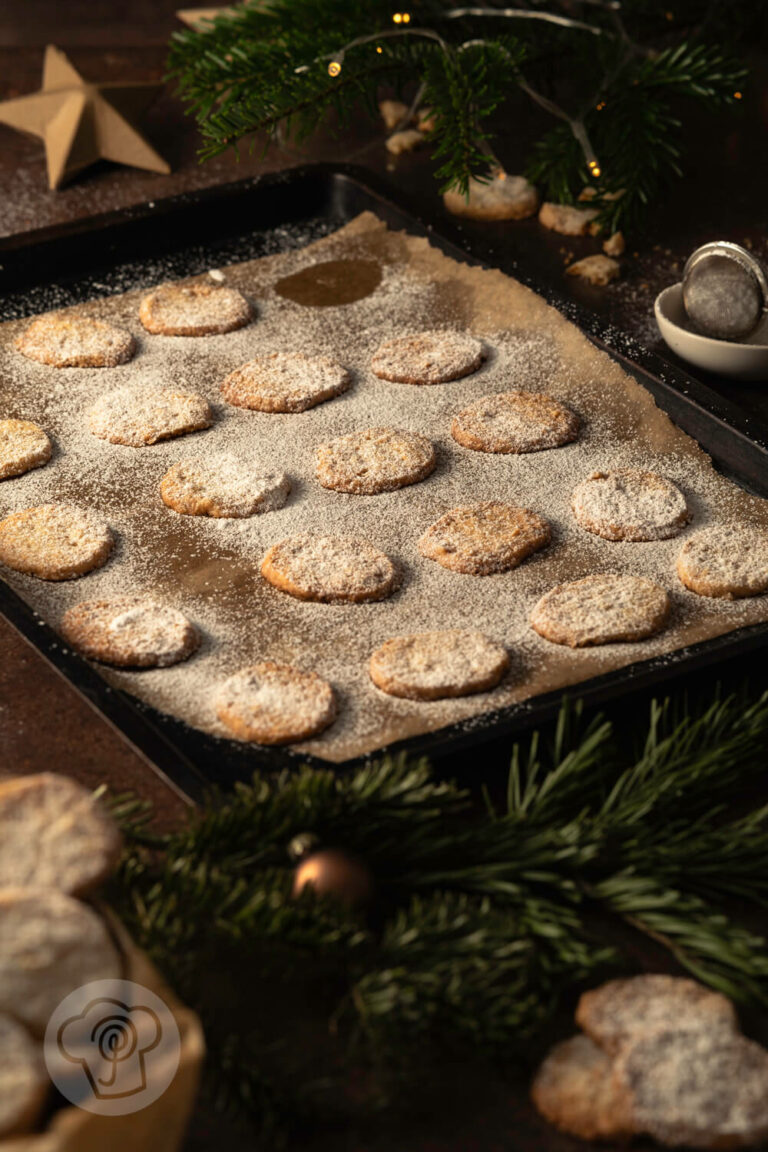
x: 209, y: 568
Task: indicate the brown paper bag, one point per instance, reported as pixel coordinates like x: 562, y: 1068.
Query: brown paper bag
x: 159, y: 1127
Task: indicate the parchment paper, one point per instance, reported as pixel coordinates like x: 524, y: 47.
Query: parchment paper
x: 210, y: 568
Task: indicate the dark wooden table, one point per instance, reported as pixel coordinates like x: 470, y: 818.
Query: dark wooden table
x: 44, y: 723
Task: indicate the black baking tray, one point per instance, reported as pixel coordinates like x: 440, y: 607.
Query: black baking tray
x: 196, y: 231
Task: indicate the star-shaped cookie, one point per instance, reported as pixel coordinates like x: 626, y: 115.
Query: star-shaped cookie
x: 81, y: 122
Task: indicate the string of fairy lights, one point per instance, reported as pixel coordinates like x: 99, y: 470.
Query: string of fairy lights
x: 402, y: 27
x: 402, y: 21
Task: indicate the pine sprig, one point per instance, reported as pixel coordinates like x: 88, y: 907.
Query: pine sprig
x: 483, y: 919
x: 636, y: 131
x: 264, y: 68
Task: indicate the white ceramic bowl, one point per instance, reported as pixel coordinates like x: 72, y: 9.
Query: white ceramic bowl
x: 745, y: 360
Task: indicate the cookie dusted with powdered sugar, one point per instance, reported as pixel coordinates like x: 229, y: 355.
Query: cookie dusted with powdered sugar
x: 575, y: 1090
x: 54, y: 541
x: 437, y: 665
x: 728, y: 561
x: 50, y: 944
x: 275, y: 704
x: 617, y: 1013
x: 24, y: 1083
x: 55, y: 834
x: 136, y: 419
x: 68, y: 341
x: 223, y: 486
x: 194, y: 310
x: 503, y: 197
x: 629, y: 504
x: 484, y: 538
x: 567, y: 219
x: 515, y: 422
x: 701, y: 1089
x: 23, y: 446
x: 285, y: 382
x: 374, y: 460
x: 428, y: 358
x: 329, y: 568
x: 606, y: 608
x: 129, y: 632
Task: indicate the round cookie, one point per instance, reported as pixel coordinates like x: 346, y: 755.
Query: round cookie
x: 617, y: 1013
x: 515, y: 422
x: 428, y: 358
x: 54, y: 834
x: 696, y: 1089
x: 129, y: 632
x: 23, y: 445
x: 285, y: 382
x: 66, y: 341
x: 729, y: 561
x: 193, y: 310
x: 222, y: 486
x: 329, y: 569
x: 375, y: 460
x: 605, y: 608
x: 629, y: 504
x: 502, y: 197
x: 484, y: 538
x: 50, y: 945
x: 138, y: 418
x: 275, y: 704
x: 23, y: 1080
x: 436, y: 665
x: 54, y: 541
x: 575, y: 1090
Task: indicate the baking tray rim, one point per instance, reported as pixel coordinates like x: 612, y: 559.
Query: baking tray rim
x: 161, y: 738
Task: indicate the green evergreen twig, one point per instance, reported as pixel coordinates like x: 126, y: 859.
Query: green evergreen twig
x: 482, y: 920
x: 265, y: 68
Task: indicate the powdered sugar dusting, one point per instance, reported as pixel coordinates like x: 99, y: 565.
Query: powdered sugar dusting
x: 209, y: 568
x: 630, y: 504
x: 67, y: 341
x: 329, y: 568
x: 129, y: 632
x: 144, y: 416
x: 726, y: 560
x: 223, y: 485
x: 601, y: 609
x: 699, y: 1089
x: 431, y: 665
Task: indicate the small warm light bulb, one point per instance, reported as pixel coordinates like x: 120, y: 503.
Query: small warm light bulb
x: 600, y: 106
x: 397, y: 17
x: 379, y: 49
x: 406, y: 17
x: 594, y: 168
x: 737, y: 95
x: 334, y: 68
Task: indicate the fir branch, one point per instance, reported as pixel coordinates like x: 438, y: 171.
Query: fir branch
x: 636, y: 135
x: 710, y: 754
x: 463, y: 89
x: 255, y: 68
x: 701, y: 940
x: 483, y: 920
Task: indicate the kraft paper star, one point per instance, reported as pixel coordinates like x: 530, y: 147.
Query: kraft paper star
x: 81, y: 122
x: 197, y: 17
